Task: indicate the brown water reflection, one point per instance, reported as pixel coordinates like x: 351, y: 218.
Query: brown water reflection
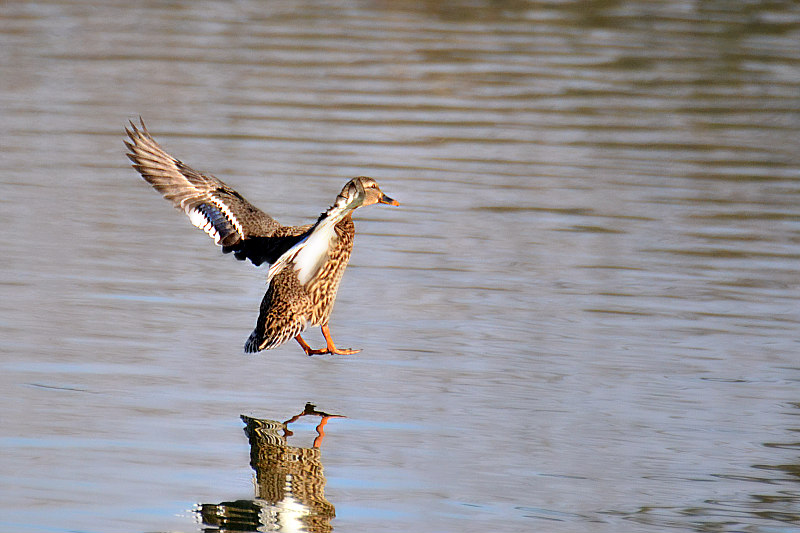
x: 289, y: 483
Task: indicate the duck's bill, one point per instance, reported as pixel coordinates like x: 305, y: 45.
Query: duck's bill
x: 386, y: 200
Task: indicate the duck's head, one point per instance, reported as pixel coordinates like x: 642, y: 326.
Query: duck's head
x: 363, y: 191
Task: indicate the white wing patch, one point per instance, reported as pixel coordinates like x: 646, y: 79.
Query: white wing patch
x: 214, y: 220
x: 308, y: 255
x: 230, y: 215
x: 310, y: 258
x: 200, y: 220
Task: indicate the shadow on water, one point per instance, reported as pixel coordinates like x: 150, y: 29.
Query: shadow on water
x: 289, y: 484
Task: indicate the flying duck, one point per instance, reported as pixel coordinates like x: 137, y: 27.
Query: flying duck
x: 306, y: 262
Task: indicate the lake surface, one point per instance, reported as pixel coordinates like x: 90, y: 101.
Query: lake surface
x: 584, y: 317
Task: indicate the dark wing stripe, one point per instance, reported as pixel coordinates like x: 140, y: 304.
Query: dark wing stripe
x: 214, y: 222
x: 209, y: 203
x: 261, y: 250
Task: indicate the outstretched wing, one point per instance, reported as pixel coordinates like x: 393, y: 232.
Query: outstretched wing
x: 211, y: 205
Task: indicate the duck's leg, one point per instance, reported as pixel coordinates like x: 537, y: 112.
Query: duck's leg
x: 331, y: 346
x: 308, y: 349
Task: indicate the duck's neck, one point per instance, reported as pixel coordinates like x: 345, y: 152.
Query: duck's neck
x: 346, y: 224
x: 340, y: 210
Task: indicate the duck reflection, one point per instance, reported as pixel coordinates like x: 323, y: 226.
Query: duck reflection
x: 290, y: 484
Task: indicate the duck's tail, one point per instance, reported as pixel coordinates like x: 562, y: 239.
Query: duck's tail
x: 255, y: 342
x: 274, y: 326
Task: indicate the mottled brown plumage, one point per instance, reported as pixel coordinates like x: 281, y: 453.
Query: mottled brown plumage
x: 307, y: 262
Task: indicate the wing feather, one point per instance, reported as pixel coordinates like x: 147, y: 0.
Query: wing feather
x: 211, y: 205
x: 314, y: 247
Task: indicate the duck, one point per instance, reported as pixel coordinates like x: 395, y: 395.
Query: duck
x: 306, y: 263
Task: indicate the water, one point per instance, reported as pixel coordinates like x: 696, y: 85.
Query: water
x: 583, y: 317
